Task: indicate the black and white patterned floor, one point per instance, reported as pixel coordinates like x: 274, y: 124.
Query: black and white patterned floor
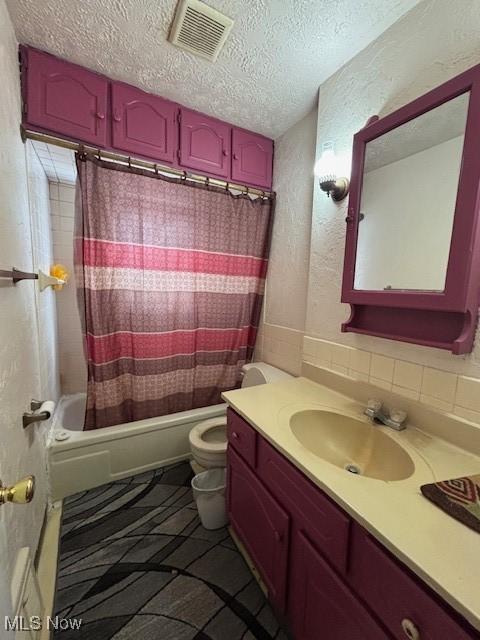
x: 136, y: 564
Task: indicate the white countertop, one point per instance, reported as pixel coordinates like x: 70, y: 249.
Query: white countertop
x: 439, y: 549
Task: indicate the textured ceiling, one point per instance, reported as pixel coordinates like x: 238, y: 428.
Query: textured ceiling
x: 266, y: 77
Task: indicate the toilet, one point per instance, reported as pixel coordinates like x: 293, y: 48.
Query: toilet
x: 208, y: 439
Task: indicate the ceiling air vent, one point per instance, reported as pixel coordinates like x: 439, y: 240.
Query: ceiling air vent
x: 199, y: 29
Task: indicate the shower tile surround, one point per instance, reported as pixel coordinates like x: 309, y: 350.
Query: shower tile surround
x: 73, y: 369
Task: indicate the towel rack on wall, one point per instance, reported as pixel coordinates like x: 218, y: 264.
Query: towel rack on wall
x: 16, y: 275
x: 44, y: 280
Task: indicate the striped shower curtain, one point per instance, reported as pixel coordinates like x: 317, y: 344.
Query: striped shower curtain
x: 170, y: 279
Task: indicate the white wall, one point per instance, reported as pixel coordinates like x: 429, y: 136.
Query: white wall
x: 73, y: 368
x: 27, y: 319
x: 435, y: 41
x: 280, y: 337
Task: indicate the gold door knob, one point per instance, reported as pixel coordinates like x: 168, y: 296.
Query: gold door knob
x: 21, y: 492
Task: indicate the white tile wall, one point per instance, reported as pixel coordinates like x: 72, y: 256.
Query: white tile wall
x: 442, y: 390
x: 73, y: 370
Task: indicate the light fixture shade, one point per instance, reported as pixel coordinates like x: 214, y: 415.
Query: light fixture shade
x: 328, y: 169
x: 326, y: 165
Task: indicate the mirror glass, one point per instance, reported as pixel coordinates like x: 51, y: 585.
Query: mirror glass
x: 409, y: 190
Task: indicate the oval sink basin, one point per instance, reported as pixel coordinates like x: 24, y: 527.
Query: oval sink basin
x: 354, y: 445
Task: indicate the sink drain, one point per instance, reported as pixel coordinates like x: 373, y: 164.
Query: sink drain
x: 351, y: 468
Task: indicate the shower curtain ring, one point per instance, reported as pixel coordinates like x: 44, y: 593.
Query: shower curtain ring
x: 129, y: 162
x: 155, y: 168
x: 183, y: 177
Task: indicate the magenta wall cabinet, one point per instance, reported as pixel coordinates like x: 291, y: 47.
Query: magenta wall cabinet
x: 444, y: 319
x: 143, y: 124
x: 61, y: 98
x: 325, y: 575
x: 204, y: 143
x: 252, y: 158
x: 64, y: 98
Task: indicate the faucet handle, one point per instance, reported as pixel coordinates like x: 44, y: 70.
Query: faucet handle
x: 374, y: 404
x: 398, y: 415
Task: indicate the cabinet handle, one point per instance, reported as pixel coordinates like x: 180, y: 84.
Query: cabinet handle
x: 235, y: 156
x: 235, y: 435
x: 225, y: 152
x: 100, y: 116
x: 116, y: 116
x: 410, y: 629
x: 277, y: 535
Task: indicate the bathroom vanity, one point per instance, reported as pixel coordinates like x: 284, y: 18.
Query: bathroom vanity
x: 341, y: 555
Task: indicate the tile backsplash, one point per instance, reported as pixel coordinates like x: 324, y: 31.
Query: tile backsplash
x: 442, y: 390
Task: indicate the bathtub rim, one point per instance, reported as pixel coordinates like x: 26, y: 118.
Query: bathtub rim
x: 124, y: 430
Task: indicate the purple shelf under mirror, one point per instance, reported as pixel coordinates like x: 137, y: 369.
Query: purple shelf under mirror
x: 412, y: 254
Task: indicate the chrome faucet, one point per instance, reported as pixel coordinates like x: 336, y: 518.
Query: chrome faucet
x: 395, y: 418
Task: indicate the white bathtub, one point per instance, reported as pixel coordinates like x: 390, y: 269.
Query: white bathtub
x: 88, y: 459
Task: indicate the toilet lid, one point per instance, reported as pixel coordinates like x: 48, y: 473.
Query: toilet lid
x: 198, y: 432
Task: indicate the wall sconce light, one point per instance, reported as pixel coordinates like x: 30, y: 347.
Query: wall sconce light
x: 327, y: 170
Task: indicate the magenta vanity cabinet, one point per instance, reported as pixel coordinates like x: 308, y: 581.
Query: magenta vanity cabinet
x: 324, y: 606
x: 252, y: 158
x: 325, y: 575
x: 205, y: 144
x: 143, y: 124
x: 405, y: 604
x: 262, y: 525
x: 63, y: 98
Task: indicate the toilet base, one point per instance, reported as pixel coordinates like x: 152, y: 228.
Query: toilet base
x: 196, y: 468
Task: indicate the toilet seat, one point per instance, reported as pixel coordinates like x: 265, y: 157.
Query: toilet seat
x: 198, y: 432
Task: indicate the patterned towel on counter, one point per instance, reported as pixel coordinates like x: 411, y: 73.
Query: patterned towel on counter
x: 460, y: 498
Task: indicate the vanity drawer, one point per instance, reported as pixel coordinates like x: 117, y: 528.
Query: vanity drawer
x: 242, y: 437
x: 397, y: 597
x: 313, y: 512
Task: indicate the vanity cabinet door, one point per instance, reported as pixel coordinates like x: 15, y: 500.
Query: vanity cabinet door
x: 204, y: 144
x: 403, y: 604
x: 261, y: 525
x: 143, y: 124
x: 321, y: 605
x: 66, y: 99
x: 252, y: 158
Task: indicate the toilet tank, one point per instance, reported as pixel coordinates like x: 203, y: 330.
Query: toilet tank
x: 256, y: 373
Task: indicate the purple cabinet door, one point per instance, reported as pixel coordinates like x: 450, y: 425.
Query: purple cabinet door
x: 204, y: 144
x: 66, y: 99
x: 143, y: 124
x: 407, y: 601
x: 322, y: 606
x: 261, y: 524
x: 252, y: 157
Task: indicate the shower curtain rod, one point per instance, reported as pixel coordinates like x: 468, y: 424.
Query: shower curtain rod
x: 141, y: 164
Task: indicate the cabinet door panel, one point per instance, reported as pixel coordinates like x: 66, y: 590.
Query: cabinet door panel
x: 323, y: 607
x: 66, y: 99
x: 252, y: 158
x: 311, y: 509
x: 242, y: 437
x: 261, y: 524
x: 204, y: 144
x: 401, y: 596
x: 143, y: 124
